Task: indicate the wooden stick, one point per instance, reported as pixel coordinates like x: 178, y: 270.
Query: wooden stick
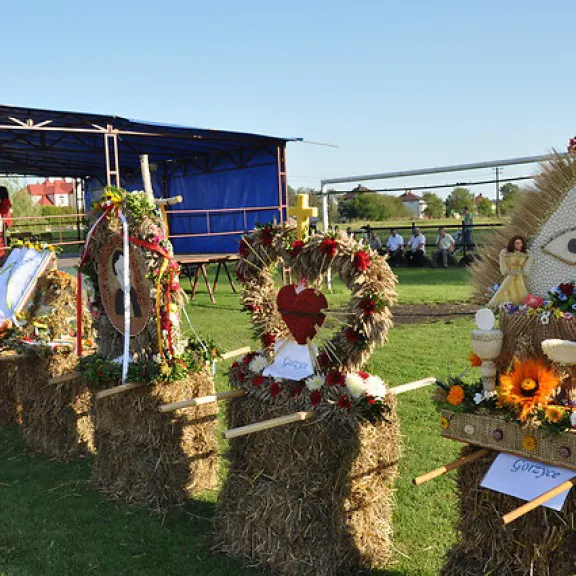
x: 532, y: 504
x: 168, y: 201
x: 202, y: 400
x: 237, y: 352
x: 118, y: 389
x: 452, y: 466
x: 413, y: 385
x: 65, y: 377
x: 267, y: 424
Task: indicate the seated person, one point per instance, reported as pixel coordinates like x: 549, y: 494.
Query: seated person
x: 444, y: 248
x: 416, y: 249
x: 375, y: 243
x: 395, y: 247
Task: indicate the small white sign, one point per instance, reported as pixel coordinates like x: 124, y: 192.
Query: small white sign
x: 526, y: 479
x: 292, y: 361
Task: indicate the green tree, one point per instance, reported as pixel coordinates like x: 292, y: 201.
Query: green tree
x: 459, y: 199
x: 370, y: 206
x: 435, y: 207
x: 485, y: 207
x: 509, y: 195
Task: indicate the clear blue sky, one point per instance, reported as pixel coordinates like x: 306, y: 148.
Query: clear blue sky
x: 396, y: 85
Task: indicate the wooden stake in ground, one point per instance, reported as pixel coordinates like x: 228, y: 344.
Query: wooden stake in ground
x: 451, y: 466
x: 202, y: 400
x: 272, y: 423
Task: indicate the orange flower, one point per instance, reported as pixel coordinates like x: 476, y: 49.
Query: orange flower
x: 529, y: 443
x: 456, y: 395
x: 475, y: 360
x: 526, y: 386
x: 554, y: 413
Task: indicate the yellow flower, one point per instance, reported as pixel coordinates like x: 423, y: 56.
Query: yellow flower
x: 444, y: 423
x: 456, y: 395
x: 526, y: 386
x: 165, y: 369
x: 529, y: 443
x: 554, y: 413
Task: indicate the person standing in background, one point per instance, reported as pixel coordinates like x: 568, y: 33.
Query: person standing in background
x: 5, y: 217
x: 468, y: 223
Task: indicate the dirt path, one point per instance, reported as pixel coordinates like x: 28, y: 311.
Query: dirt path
x: 417, y: 313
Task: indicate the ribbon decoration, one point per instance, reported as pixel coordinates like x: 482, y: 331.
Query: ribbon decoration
x: 127, y: 303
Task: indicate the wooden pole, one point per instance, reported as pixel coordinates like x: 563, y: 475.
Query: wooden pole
x: 168, y: 201
x: 267, y: 424
x: 413, y: 385
x: 202, y: 400
x: 146, y: 178
x: 237, y: 352
x: 118, y: 389
x: 452, y: 466
x: 65, y: 377
x: 533, y: 504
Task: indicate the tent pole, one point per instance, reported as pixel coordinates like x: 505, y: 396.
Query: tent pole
x: 146, y: 178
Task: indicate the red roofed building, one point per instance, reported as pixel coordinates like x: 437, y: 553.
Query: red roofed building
x: 414, y: 203
x: 55, y: 193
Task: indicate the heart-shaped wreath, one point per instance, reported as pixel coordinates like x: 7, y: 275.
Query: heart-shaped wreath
x: 297, y: 311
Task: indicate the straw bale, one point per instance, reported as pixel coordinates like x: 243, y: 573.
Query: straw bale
x: 10, y: 403
x: 55, y: 419
x: 308, y: 498
x: 541, y: 543
x: 151, y: 458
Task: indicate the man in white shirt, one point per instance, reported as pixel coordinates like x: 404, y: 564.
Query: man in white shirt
x: 416, y: 249
x: 444, y: 247
x: 394, y: 247
x: 375, y: 243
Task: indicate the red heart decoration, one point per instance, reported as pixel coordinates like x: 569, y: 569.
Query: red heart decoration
x: 301, y: 311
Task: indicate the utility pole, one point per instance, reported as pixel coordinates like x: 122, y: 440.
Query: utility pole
x: 497, y: 170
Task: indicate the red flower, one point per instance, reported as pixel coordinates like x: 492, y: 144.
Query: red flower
x: 533, y: 301
x: 257, y: 381
x: 296, y: 390
x: 266, y: 236
x: 371, y: 400
x: 323, y: 360
x: 243, y: 249
x: 235, y: 365
x: 268, y: 340
x: 335, y: 378
x: 363, y: 375
x: 351, y: 335
x: 344, y: 402
x: 315, y: 397
x: 362, y: 261
x: 474, y: 360
x: 329, y: 246
x: 567, y: 288
x: 367, y: 305
x: 241, y: 376
x: 572, y: 145
x: 248, y: 358
x: 275, y: 389
x: 296, y: 247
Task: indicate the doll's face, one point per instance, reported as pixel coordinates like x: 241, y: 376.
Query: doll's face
x: 518, y: 244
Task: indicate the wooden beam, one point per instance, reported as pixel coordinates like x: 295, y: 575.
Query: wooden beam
x: 118, y: 389
x: 202, y: 400
x: 451, y: 466
x: 237, y: 352
x: 268, y: 424
x: 413, y: 385
x: 533, y: 504
x: 65, y: 377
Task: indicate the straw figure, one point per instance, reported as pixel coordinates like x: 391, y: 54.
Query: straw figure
x: 314, y: 496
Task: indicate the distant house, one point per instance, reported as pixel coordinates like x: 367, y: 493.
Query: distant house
x: 479, y: 198
x: 52, y: 193
x: 415, y: 204
x: 352, y: 194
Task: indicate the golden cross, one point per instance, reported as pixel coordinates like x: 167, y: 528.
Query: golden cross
x: 302, y: 212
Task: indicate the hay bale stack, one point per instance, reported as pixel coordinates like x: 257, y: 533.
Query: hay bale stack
x: 151, y: 458
x: 541, y: 543
x: 11, y: 364
x: 308, y: 498
x: 55, y: 418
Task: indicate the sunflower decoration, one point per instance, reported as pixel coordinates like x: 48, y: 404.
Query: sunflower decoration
x: 527, y: 386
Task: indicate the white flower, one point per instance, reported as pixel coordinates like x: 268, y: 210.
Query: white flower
x: 356, y: 384
x: 314, y: 382
x: 479, y: 397
x: 375, y: 387
x: 573, y: 419
x: 174, y: 318
x: 157, y: 359
x: 257, y: 364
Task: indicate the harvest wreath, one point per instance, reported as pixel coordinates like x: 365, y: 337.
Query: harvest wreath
x: 297, y: 311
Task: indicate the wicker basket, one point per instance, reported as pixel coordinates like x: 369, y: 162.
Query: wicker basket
x: 493, y: 432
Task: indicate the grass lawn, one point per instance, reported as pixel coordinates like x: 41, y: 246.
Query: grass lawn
x: 55, y: 524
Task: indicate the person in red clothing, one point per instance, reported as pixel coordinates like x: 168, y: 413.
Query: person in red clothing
x: 5, y: 217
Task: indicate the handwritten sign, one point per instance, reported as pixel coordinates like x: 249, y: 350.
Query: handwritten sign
x: 526, y: 479
x: 291, y: 361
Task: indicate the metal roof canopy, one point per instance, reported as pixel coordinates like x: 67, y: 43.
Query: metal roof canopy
x: 35, y: 142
